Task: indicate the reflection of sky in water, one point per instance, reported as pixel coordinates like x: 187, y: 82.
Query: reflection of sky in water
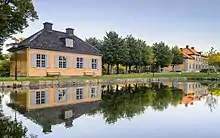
x: 192, y: 121
x: 174, y: 122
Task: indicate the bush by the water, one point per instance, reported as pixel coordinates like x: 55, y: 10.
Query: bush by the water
x: 4, y: 68
x: 207, y: 70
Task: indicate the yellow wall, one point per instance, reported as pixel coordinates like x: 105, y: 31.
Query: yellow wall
x: 21, y: 63
x: 24, y: 97
x: 25, y: 68
x: 66, y: 72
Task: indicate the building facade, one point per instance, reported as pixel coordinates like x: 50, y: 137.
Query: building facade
x: 53, y: 52
x: 193, y: 61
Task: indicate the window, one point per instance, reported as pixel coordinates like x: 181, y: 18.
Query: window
x: 40, y: 97
x: 79, y: 94
x: 62, y: 95
x: 79, y: 63
x: 62, y: 62
x: 69, y: 42
x: 93, y: 93
x: 190, y: 66
x: 41, y: 61
x: 94, y: 63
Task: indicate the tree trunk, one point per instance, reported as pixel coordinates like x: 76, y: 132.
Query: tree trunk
x: 173, y: 67
x: 117, y: 68
x: 111, y: 69
x: 136, y: 67
x: 153, y: 69
x: 126, y: 69
x: 108, y: 88
x: 129, y: 69
x: 108, y: 72
x: 117, y: 88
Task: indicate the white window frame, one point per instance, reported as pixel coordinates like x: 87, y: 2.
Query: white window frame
x: 62, y: 93
x: 79, y: 93
x: 41, y: 99
x: 40, y: 60
x: 94, y: 63
x: 69, y: 42
x: 62, y: 62
x: 79, y: 62
x: 93, y: 92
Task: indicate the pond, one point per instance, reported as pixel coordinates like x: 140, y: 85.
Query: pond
x: 153, y: 110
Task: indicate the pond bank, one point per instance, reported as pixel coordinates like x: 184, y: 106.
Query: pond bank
x: 72, y: 82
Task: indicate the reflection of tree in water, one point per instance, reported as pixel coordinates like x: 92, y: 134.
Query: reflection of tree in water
x: 212, y: 102
x: 9, y: 127
x: 131, y: 100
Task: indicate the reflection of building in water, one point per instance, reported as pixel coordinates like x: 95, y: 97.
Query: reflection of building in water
x: 51, y: 106
x: 194, y: 91
x: 190, y: 88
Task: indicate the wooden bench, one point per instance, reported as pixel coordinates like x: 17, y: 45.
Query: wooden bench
x: 89, y: 73
x: 53, y: 74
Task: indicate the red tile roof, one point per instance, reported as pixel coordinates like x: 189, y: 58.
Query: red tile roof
x: 188, y: 52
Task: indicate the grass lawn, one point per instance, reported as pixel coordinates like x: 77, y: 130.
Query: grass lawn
x: 115, y: 76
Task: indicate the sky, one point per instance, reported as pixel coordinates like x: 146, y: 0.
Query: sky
x: 175, y: 22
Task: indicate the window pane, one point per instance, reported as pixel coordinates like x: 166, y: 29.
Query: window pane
x: 43, y: 57
x: 38, y: 56
x: 64, y: 64
x: 43, y: 63
x: 60, y: 58
x: 38, y: 63
x: 43, y: 101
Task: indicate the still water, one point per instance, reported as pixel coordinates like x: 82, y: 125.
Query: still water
x: 152, y: 110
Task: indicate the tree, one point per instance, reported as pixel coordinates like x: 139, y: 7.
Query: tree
x: 10, y: 128
x: 4, y: 68
x: 14, y: 16
x: 162, y: 55
x: 134, y: 51
x: 177, y: 56
x: 214, y: 60
x: 95, y: 42
x: 113, y: 49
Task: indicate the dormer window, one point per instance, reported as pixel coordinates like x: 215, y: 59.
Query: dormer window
x: 69, y: 42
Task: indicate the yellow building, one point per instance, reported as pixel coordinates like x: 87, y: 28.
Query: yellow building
x: 51, y: 106
x: 51, y: 52
x: 193, y: 61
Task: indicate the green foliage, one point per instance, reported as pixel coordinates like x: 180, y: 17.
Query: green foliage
x: 162, y: 54
x: 113, y: 46
x: 10, y: 128
x: 95, y: 42
x: 4, y: 68
x: 134, y: 51
x: 177, y: 56
x: 131, y: 100
x: 14, y: 15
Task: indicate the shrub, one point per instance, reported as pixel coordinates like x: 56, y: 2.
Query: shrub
x: 4, y: 68
x: 206, y: 70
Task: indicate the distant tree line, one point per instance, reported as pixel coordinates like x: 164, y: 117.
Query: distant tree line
x: 134, y: 54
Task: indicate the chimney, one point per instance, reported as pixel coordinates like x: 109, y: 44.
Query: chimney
x: 48, y: 26
x: 187, y: 46
x: 192, y: 47
x: 70, y: 31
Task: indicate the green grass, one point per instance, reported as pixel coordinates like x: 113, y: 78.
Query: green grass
x: 119, y: 76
